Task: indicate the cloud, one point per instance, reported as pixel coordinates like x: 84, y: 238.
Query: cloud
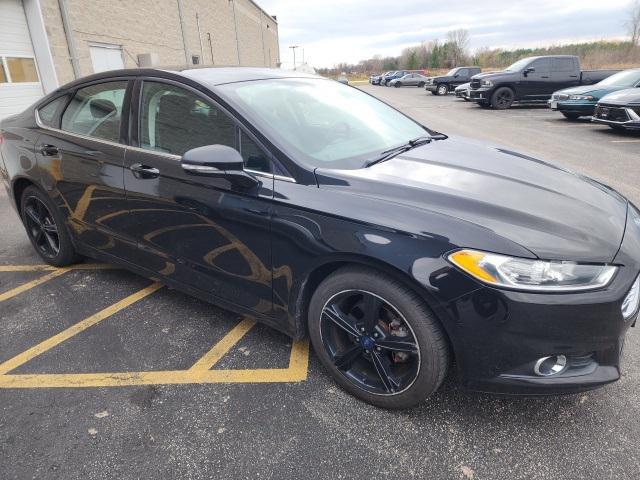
x: 334, y: 31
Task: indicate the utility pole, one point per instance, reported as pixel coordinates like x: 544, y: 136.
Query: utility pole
x: 293, y: 47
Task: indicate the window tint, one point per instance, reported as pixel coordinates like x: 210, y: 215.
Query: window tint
x: 96, y: 111
x: 463, y: 72
x: 47, y: 113
x: 562, y: 64
x: 174, y: 120
x: 22, y: 69
x: 253, y: 156
x: 542, y: 65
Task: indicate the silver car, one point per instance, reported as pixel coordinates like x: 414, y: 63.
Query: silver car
x: 462, y: 91
x: 409, y: 80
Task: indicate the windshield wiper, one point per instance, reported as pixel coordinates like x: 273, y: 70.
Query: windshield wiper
x: 393, y: 152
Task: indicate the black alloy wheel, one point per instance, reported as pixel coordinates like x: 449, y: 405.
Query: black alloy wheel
x: 41, y: 227
x: 502, y: 99
x: 46, y: 229
x: 378, y: 339
x: 370, y: 342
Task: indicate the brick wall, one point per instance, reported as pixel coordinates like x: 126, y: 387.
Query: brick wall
x: 153, y: 26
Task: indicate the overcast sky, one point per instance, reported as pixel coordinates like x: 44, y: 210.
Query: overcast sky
x: 334, y: 31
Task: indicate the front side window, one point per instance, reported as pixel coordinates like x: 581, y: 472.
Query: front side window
x: 96, y: 111
x: 321, y: 123
x: 174, y: 120
x: 253, y: 156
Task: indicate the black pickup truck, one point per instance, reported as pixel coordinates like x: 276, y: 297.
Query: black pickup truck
x: 531, y: 80
x: 444, y: 84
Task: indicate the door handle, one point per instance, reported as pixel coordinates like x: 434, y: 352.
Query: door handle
x: 144, y: 171
x: 544, y: 77
x: 49, y: 150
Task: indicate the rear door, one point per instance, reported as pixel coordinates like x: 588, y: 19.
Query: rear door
x: 565, y: 73
x: 81, y: 151
x: 204, y: 232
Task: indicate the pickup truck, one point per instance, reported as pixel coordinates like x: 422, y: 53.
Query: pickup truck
x: 444, y: 84
x: 531, y: 80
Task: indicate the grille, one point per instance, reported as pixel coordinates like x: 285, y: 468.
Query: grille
x: 611, y: 113
x: 475, y: 84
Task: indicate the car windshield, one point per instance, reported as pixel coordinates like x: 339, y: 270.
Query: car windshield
x: 628, y: 78
x: 519, y: 65
x: 322, y: 123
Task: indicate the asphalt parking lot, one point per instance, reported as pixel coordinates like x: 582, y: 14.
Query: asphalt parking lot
x: 104, y: 374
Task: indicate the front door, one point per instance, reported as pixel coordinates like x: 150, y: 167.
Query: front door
x: 204, y: 232
x: 82, y: 155
x: 537, y: 85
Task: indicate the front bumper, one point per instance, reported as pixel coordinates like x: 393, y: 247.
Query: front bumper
x: 499, y: 335
x: 583, y: 109
x: 630, y: 121
x: 481, y: 95
x: 430, y: 87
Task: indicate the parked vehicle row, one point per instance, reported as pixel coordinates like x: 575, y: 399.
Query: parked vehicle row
x: 454, y: 78
x: 399, y: 78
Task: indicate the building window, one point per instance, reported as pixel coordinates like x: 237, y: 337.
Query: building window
x: 18, y: 70
x: 195, y: 59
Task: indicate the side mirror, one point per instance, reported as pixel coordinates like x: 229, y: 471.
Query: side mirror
x: 456, y: 75
x: 529, y: 70
x: 219, y: 161
x: 212, y: 160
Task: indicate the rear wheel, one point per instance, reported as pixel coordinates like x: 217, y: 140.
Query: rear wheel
x: 397, y: 85
x: 502, y: 98
x: 443, y: 90
x: 46, y: 229
x: 571, y: 116
x: 377, y: 338
x: 421, y: 85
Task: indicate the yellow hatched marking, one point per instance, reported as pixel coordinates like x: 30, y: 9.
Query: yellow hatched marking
x: 54, y: 272
x: 221, y: 348
x: 33, y: 283
x: 48, y: 344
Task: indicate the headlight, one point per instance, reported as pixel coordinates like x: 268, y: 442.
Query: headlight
x: 486, y: 83
x: 532, y: 275
x: 630, y: 302
x: 581, y: 97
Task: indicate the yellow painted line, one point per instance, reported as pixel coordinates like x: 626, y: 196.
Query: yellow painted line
x: 625, y: 141
x: 221, y: 348
x: 48, y: 344
x: 45, y: 268
x: 297, y: 372
x: 33, y: 283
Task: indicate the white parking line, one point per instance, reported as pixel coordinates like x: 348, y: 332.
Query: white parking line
x: 626, y: 141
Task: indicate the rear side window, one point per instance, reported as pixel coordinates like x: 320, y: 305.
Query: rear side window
x: 96, y: 111
x: 563, y: 64
x: 47, y: 114
x: 174, y: 120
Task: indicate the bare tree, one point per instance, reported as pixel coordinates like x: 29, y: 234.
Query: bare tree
x: 458, y: 41
x: 633, y: 22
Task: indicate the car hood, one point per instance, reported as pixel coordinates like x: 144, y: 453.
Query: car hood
x: 629, y: 96
x: 492, y: 74
x: 552, y: 212
x: 593, y: 90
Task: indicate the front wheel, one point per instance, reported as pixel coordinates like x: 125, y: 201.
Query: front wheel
x: 377, y: 338
x: 46, y: 229
x: 421, y: 85
x: 443, y: 90
x: 503, y: 98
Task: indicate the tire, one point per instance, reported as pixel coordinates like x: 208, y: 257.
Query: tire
x: 443, y: 89
x: 502, y: 98
x: 397, y: 85
x: 421, y: 85
x: 571, y: 116
x: 433, y: 92
x: 484, y: 105
x: 50, y: 230
x: 415, y: 375
x: 386, y: 84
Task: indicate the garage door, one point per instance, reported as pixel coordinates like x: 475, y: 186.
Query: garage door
x: 19, y: 82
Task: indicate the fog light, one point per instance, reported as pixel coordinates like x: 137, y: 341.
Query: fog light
x: 549, y: 366
x: 631, y: 301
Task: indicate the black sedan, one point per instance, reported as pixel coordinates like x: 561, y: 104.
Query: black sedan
x: 322, y: 211
x: 619, y: 110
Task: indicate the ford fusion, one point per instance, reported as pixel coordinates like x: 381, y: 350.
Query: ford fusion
x: 321, y: 211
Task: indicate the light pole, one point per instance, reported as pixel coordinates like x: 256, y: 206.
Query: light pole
x: 293, y: 47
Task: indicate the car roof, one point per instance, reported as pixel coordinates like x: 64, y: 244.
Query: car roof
x: 210, y: 76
